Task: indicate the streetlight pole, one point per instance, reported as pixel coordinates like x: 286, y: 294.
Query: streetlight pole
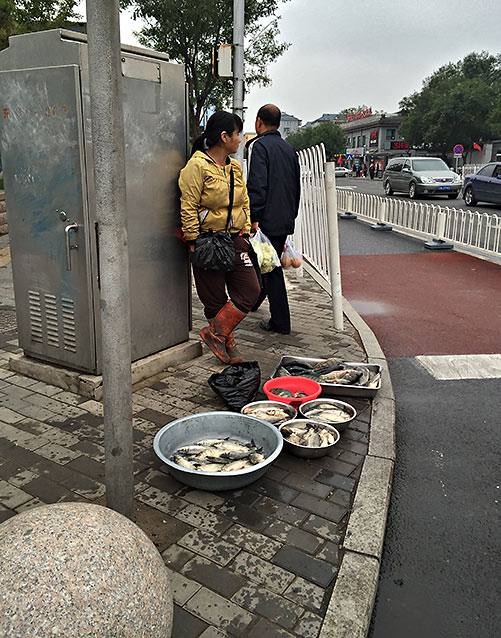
x: 238, y: 64
x: 108, y: 148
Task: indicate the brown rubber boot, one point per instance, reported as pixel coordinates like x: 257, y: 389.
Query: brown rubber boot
x: 219, y: 329
x: 232, y: 350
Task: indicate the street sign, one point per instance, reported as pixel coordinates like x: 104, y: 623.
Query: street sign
x: 349, y: 156
x: 458, y: 155
x: 458, y: 150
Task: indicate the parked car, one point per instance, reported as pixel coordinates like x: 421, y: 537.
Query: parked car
x: 484, y: 185
x: 420, y: 176
x: 342, y: 171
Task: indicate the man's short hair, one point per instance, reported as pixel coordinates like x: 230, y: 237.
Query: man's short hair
x: 270, y: 115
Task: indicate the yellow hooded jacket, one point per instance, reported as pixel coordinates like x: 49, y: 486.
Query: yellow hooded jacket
x: 205, y: 186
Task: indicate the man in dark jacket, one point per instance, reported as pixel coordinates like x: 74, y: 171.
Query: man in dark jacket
x: 273, y: 184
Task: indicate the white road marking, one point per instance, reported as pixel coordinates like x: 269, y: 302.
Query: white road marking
x: 452, y: 367
x: 347, y: 188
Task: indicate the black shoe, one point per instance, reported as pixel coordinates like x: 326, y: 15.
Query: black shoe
x: 265, y: 325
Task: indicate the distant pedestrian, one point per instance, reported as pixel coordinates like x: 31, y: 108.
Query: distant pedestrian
x: 372, y: 170
x: 364, y: 169
x: 274, y: 189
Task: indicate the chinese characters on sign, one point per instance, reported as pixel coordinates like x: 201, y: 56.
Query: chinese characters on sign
x: 373, y: 138
x: 359, y: 114
x: 19, y: 112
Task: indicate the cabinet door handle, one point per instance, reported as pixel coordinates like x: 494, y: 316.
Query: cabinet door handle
x: 69, y: 246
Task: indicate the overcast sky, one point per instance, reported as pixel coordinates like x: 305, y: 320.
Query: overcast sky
x: 344, y: 53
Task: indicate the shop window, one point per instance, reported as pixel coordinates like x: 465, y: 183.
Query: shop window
x: 390, y: 133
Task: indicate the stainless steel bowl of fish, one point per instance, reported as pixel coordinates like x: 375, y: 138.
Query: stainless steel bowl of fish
x: 308, y: 439
x: 218, y: 450
x: 331, y: 411
x: 273, y: 412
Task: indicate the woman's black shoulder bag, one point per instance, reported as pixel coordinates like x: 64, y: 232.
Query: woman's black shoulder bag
x: 215, y: 250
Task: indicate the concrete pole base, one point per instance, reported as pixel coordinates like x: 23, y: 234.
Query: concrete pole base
x: 381, y: 226
x: 346, y: 216
x: 91, y: 386
x: 438, y: 244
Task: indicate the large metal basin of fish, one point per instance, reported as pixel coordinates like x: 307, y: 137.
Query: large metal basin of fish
x: 208, y: 425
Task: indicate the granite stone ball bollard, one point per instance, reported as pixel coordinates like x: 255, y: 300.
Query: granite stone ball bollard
x: 77, y: 570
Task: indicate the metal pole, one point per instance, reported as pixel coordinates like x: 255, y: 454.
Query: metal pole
x: 332, y: 228
x: 238, y: 65
x: 109, y: 172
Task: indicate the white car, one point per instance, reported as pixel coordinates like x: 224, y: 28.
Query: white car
x: 342, y: 171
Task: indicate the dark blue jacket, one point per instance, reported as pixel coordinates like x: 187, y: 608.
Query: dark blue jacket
x: 273, y: 184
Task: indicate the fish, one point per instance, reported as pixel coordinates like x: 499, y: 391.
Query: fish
x: 257, y: 457
x: 180, y: 460
x: 283, y: 372
x: 232, y: 446
x: 343, y: 377
x: 332, y: 414
x: 270, y: 414
x: 218, y: 455
x: 328, y: 365
x: 237, y: 465
x: 191, y: 450
x: 281, y: 392
x: 211, y: 442
x: 313, y: 435
x: 211, y: 467
x: 374, y: 380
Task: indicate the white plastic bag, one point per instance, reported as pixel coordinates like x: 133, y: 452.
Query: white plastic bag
x: 290, y: 257
x: 266, y: 255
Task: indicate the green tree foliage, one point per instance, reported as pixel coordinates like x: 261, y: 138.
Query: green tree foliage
x: 458, y: 104
x: 24, y: 16
x: 187, y: 30
x: 329, y: 133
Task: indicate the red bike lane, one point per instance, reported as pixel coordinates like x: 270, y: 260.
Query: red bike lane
x: 427, y: 303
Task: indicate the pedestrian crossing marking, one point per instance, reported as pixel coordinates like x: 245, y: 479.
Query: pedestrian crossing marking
x: 454, y: 367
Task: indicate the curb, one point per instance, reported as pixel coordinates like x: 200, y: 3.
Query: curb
x: 350, y: 607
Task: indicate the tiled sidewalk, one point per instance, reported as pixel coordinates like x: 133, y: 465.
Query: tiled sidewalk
x: 257, y: 562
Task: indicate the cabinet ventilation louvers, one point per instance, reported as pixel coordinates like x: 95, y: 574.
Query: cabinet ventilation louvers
x: 54, y: 319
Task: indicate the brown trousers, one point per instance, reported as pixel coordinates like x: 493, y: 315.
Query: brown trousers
x: 242, y: 283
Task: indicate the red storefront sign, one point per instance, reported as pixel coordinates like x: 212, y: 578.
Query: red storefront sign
x: 359, y: 114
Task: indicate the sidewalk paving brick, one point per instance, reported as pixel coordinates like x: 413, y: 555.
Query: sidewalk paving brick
x: 268, y: 604
x: 311, y: 569
x: 209, y: 546
x: 217, y: 610
x: 262, y: 571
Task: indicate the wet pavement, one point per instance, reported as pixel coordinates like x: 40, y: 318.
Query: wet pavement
x: 260, y: 561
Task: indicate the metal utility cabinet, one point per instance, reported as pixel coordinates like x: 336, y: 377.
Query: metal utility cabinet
x: 46, y: 149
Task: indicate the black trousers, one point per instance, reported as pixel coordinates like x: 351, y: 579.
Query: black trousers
x: 274, y: 289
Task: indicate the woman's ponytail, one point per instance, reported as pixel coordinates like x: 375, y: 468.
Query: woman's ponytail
x: 199, y: 144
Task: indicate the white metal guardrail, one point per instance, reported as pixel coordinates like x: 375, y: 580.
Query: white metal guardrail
x: 464, y: 228
x: 311, y: 236
x: 471, y: 229
x: 469, y: 169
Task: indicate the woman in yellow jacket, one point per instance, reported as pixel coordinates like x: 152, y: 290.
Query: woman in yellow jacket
x: 205, y: 197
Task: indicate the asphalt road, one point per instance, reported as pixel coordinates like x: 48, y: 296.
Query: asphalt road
x: 365, y: 185
x: 440, y: 571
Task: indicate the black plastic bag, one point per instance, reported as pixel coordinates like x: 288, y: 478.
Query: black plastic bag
x: 214, y: 251
x: 237, y: 384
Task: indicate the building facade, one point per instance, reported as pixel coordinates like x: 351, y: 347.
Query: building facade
x: 288, y: 125
x: 373, y: 137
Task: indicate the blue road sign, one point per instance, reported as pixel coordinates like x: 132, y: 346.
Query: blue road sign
x: 458, y: 149
x: 349, y: 156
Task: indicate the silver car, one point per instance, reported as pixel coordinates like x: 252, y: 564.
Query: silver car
x: 420, y: 176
